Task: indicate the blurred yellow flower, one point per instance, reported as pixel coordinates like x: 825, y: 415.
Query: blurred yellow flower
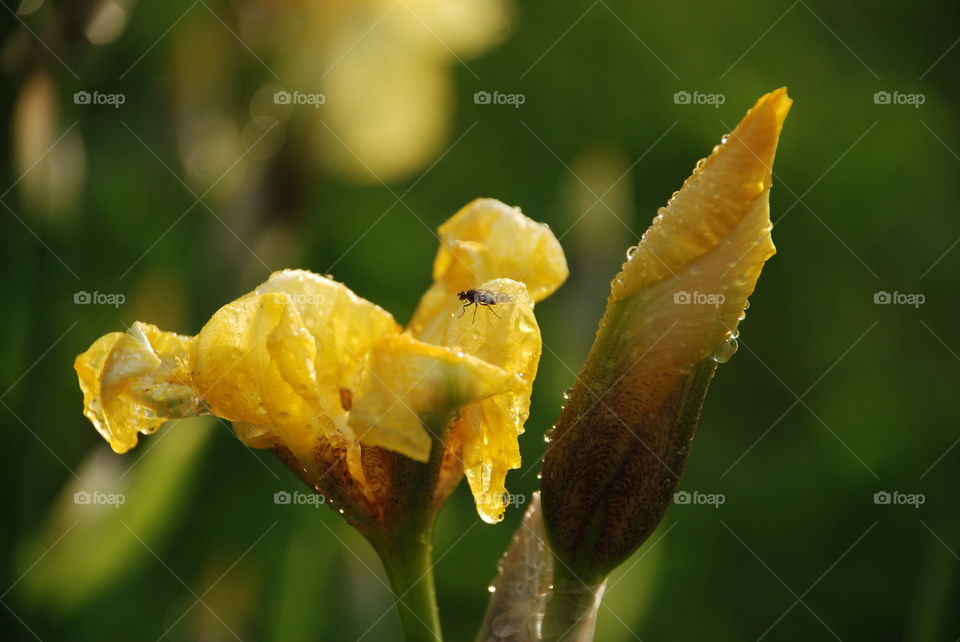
x: 305, y: 366
x: 381, y: 77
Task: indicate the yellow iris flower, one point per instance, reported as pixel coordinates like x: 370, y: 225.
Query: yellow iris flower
x: 305, y: 366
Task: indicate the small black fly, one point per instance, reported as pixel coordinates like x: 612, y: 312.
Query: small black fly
x: 485, y: 298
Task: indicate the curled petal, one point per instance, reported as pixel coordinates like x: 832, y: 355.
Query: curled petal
x: 488, y: 240
x: 254, y: 365
x: 344, y: 326
x: 516, y: 247
x: 135, y: 381
x: 408, y: 385
x: 279, y: 361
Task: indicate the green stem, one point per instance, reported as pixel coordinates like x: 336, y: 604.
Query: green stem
x: 571, y: 612
x: 410, y: 572
x: 405, y: 548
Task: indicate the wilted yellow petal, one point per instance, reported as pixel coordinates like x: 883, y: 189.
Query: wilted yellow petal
x: 343, y: 325
x: 488, y: 240
x: 408, y: 387
x: 135, y: 381
x: 254, y: 364
x: 504, y: 334
x: 279, y: 361
x: 517, y: 247
x: 256, y: 436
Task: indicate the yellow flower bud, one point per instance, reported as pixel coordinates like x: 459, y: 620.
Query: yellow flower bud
x: 620, y: 443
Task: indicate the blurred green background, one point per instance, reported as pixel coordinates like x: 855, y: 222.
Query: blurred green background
x: 182, y: 182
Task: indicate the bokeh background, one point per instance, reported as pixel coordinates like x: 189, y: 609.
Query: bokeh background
x: 182, y: 182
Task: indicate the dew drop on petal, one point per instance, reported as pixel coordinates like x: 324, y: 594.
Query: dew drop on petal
x: 726, y: 350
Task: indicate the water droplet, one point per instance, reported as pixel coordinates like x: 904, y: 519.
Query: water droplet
x: 631, y: 251
x: 726, y: 350
x: 725, y: 138
x: 492, y: 588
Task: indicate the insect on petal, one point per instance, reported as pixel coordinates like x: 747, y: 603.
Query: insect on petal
x: 488, y: 240
x: 489, y: 429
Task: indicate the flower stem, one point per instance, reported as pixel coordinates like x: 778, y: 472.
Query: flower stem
x: 571, y: 613
x: 410, y: 573
x: 405, y: 547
